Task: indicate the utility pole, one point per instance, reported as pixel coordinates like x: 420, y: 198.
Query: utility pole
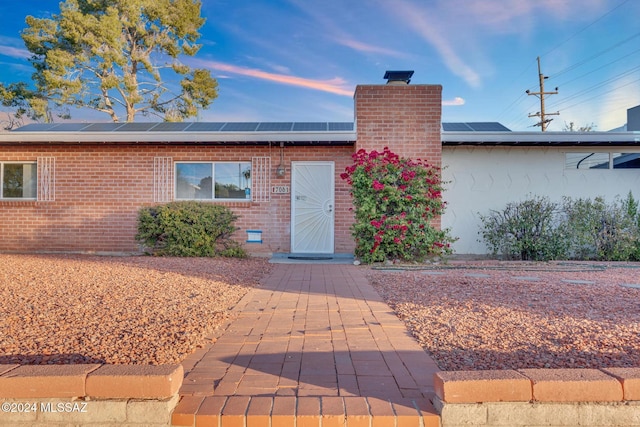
x: 544, y: 121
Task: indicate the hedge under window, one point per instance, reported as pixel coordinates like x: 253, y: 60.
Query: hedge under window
x: 213, y: 180
x: 19, y: 180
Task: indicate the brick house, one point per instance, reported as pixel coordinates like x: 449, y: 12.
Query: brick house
x: 79, y: 186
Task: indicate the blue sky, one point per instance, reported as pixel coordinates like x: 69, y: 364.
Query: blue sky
x: 300, y: 60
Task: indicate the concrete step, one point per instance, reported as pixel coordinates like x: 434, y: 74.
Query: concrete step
x: 292, y: 411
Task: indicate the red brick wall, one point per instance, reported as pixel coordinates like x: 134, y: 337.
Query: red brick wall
x: 405, y: 118
x: 99, y: 189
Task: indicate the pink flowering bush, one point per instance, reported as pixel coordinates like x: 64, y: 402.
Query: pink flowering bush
x: 395, y: 200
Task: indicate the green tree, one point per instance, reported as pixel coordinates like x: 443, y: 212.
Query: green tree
x: 113, y: 56
x: 22, y: 103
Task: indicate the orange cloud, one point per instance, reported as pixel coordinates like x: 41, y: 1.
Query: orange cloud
x: 367, y: 48
x: 336, y: 85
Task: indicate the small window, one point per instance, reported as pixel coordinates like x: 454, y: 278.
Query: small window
x: 19, y: 180
x: 626, y: 160
x: 213, y: 181
x: 586, y: 161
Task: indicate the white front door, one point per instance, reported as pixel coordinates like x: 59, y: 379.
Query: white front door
x: 312, y: 206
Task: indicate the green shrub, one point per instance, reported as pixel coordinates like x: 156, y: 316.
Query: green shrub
x: 632, y: 208
x: 528, y: 230
x: 603, y: 231
x: 585, y: 229
x: 395, y: 200
x: 188, y: 229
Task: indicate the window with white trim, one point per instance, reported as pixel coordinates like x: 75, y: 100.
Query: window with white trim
x: 213, y: 181
x: 19, y: 180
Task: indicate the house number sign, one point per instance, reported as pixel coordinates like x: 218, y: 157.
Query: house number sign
x: 280, y: 189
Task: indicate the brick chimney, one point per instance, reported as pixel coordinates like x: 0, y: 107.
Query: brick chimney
x: 404, y: 117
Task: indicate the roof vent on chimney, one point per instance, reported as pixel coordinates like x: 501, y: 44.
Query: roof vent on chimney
x: 398, y: 77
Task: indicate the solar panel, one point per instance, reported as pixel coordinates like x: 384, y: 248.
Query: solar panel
x: 274, y: 126
x: 68, y: 127
x: 170, y: 127
x: 240, y: 127
x: 309, y: 126
x: 102, y: 127
x: 487, y: 127
x: 206, y: 126
x: 338, y: 126
x: 35, y: 127
x: 455, y: 127
x: 474, y: 127
x: 136, y: 127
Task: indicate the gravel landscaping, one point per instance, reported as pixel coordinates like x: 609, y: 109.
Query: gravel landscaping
x: 512, y: 316
x: 58, y: 309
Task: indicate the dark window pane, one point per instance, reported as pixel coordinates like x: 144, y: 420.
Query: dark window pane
x: 193, y: 181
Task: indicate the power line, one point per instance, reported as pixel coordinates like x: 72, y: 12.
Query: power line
x: 625, y: 56
x: 600, y: 95
x: 596, y: 86
x: 586, y: 27
x: 602, y: 52
x: 519, y: 99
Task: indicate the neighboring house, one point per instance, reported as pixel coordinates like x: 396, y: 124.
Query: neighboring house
x: 78, y: 187
x: 487, y: 170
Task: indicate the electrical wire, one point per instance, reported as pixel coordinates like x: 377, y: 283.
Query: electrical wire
x: 520, y: 99
x: 578, y: 94
x: 602, y: 52
x: 586, y: 27
x: 626, y: 56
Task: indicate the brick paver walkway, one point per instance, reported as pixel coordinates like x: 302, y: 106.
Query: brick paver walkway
x: 316, y: 345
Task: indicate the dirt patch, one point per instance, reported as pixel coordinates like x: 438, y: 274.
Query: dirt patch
x: 496, y: 318
x: 59, y: 309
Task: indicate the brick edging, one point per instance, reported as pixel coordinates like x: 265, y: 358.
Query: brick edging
x: 539, y: 385
x: 95, y: 381
x: 327, y: 411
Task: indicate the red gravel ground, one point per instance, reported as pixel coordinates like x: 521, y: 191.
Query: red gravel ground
x: 504, y: 322
x: 58, y: 309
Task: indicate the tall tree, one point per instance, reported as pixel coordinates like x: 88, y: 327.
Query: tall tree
x: 21, y: 102
x: 113, y: 56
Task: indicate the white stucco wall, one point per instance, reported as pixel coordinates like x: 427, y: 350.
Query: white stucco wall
x: 485, y: 178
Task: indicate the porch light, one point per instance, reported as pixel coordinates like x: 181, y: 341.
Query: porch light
x: 280, y: 170
x: 398, y: 77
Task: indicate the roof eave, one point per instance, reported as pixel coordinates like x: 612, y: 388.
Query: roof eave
x: 540, y: 138
x: 249, y: 138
